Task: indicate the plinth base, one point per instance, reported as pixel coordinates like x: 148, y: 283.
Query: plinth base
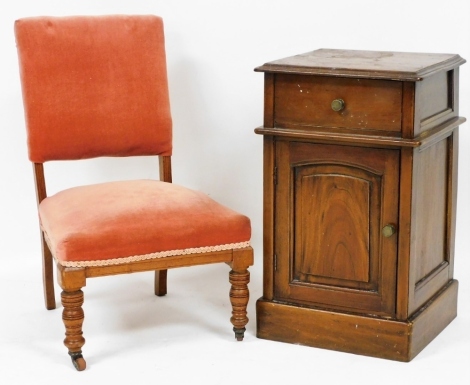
x: 352, y: 333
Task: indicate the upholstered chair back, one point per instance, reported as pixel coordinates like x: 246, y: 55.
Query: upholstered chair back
x: 97, y: 96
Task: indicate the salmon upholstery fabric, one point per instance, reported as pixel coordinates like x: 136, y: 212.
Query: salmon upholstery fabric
x: 118, y: 222
x: 94, y: 86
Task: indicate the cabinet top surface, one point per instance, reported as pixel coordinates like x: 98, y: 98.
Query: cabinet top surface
x: 371, y: 64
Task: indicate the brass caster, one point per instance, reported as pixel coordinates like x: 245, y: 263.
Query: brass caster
x: 239, y: 333
x: 78, y: 361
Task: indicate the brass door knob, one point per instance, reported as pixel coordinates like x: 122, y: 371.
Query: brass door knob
x: 337, y: 105
x: 388, y: 231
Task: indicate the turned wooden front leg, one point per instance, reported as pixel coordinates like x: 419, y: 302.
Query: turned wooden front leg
x: 73, y: 317
x: 71, y: 281
x: 239, y: 296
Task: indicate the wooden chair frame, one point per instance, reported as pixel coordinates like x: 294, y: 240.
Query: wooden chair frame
x: 72, y: 280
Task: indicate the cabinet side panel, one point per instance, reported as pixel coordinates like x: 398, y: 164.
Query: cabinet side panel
x: 435, y: 101
x: 429, y: 256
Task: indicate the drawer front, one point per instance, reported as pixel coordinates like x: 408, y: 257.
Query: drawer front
x: 303, y: 100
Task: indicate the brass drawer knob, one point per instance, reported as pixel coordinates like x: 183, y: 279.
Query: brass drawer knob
x: 388, y: 231
x: 337, y: 105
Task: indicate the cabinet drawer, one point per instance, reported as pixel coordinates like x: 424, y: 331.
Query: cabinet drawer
x: 305, y: 100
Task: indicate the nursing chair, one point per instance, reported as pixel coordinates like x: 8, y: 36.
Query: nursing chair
x: 96, y: 86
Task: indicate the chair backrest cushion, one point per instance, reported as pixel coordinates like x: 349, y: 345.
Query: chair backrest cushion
x: 94, y: 86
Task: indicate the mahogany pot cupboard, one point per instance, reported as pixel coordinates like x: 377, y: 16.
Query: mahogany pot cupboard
x: 360, y: 182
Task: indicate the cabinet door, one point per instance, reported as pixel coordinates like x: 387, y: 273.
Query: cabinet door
x: 332, y: 203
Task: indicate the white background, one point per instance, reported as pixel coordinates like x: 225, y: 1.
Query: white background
x: 217, y: 101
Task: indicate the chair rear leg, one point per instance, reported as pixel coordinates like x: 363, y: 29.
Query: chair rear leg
x: 160, y: 282
x: 47, y: 275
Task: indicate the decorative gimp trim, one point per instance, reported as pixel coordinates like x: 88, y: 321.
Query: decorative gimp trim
x: 144, y: 257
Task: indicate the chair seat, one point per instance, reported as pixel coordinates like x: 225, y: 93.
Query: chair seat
x: 121, y: 222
